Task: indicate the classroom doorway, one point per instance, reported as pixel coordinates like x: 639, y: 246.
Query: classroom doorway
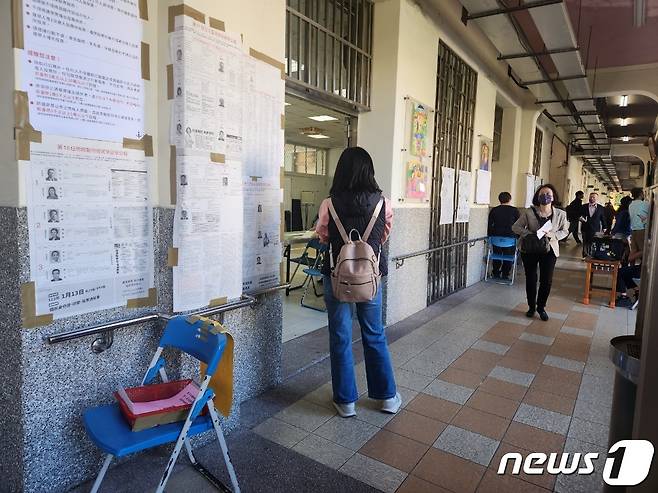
x: 315, y: 136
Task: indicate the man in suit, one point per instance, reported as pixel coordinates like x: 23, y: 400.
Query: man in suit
x: 573, y: 215
x: 501, y: 219
x: 593, y: 220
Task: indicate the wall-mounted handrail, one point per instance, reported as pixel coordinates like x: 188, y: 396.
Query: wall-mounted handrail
x: 244, y: 301
x: 399, y: 260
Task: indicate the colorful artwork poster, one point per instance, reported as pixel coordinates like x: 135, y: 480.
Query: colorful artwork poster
x: 486, y: 148
x: 416, y: 179
x: 419, y: 129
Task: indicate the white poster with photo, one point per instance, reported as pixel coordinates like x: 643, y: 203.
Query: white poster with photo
x: 463, y: 197
x: 483, y: 187
x: 447, y: 195
x: 530, y: 181
x: 82, y: 73
x: 90, y: 225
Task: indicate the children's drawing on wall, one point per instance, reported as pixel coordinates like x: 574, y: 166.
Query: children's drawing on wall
x: 419, y: 130
x: 416, y: 179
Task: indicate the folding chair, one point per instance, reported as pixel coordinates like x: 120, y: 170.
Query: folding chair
x: 305, y: 259
x: 313, y: 272
x: 501, y: 242
x: 108, y: 429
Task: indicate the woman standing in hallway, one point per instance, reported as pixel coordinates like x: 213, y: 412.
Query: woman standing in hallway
x: 355, y: 195
x: 541, y: 227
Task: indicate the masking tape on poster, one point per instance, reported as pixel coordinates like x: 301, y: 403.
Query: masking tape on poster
x: 172, y: 257
x: 24, y: 133
x: 170, y: 82
x: 172, y: 175
x: 182, y: 9
x: 283, y: 122
x: 216, y: 24
x: 17, y: 36
x: 143, y: 10
x: 146, y: 61
x: 216, y: 157
x: 150, y: 300
x: 29, y: 313
x: 144, y: 144
x: 218, y: 301
x: 269, y: 60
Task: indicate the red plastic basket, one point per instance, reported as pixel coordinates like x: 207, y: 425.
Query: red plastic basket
x: 146, y: 393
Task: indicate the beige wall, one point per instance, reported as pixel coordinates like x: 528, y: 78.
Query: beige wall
x: 504, y: 174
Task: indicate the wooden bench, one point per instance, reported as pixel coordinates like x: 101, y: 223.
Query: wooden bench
x: 607, y: 267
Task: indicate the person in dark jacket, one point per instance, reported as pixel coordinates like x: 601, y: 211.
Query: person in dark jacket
x: 593, y: 221
x: 573, y: 215
x: 622, y: 228
x: 609, y: 214
x: 355, y: 195
x: 501, y: 219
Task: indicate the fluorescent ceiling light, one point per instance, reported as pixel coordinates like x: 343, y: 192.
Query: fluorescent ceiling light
x: 624, y: 100
x: 625, y: 138
x: 318, y: 136
x: 323, y: 118
x: 286, y: 103
x: 624, y: 122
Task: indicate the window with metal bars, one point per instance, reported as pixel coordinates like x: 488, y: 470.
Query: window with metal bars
x: 329, y: 47
x: 497, y: 133
x: 305, y: 160
x: 536, y: 155
x: 453, y: 142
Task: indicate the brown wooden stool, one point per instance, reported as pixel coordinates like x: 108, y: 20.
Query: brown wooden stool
x: 602, y: 267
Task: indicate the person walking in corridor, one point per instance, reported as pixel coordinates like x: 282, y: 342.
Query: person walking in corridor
x: 355, y: 197
x: 501, y: 219
x: 541, y: 227
x: 573, y: 215
x: 592, y: 218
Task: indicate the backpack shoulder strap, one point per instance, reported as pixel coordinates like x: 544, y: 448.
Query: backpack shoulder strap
x: 373, y: 219
x: 339, y: 225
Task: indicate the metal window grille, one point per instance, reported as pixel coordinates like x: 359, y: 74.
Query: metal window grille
x: 453, y: 142
x: 497, y: 133
x: 329, y: 47
x: 536, y: 155
x: 305, y: 160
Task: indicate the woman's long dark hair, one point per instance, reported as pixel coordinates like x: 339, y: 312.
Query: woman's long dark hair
x: 354, y: 173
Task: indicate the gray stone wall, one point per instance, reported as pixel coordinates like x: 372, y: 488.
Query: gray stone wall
x: 46, y: 387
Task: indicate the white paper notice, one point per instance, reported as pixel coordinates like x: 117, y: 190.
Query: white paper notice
x: 81, y: 72
x: 90, y: 225
x: 464, y: 196
x: 447, y: 195
x: 483, y: 187
x: 541, y: 232
x: 529, y: 189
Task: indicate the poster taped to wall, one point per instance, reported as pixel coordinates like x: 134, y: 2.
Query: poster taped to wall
x: 483, y: 187
x: 463, y: 196
x: 82, y: 78
x: 529, y: 189
x: 486, y: 148
x: 416, y: 151
x: 90, y: 225
x: 447, y: 195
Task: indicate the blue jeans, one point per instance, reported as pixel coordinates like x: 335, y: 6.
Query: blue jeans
x: 379, y: 371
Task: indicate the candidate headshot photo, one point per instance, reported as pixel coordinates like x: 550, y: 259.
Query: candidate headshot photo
x: 220, y: 136
x: 55, y: 274
x: 258, y: 262
x: 53, y: 216
x: 221, y: 66
x: 50, y: 175
x: 179, y: 54
x: 52, y: 194
x: 179, y: 91
x: 55, y: 257
x: 225, y: 181
x: 221, y: 102
x: 183, y: 180
x: 183, y: 215
x: 54, y: 234
x: 179, y: 128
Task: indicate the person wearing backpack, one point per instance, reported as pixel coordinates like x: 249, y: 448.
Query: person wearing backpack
x: 541, y: 227
x: 355, y: 221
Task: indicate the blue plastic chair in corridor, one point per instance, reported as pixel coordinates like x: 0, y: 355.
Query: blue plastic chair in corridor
x: 501, y: 242
x: 314, y: 272
x: 109, y: 430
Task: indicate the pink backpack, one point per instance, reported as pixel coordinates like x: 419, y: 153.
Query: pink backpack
x: 355, y: 277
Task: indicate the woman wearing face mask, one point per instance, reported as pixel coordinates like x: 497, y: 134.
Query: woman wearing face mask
x: 545, y: 221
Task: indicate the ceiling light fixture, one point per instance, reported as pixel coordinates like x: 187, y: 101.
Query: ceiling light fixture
x: 318, y: 136
x: 624, y: 101
x: 286, y: 103
x: 624, y: 122
x: 323, y: 118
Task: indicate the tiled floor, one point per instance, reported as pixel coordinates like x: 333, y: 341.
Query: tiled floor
x: 477, y: 382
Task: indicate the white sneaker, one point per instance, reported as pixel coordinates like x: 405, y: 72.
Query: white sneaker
x: 392, y: 405
x: 345, y: 410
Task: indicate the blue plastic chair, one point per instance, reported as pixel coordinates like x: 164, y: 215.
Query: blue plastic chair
x: 109, y: 430
x: 314, y: 272
x: 501, y: 242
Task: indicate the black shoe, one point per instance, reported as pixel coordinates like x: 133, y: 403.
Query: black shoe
x: 542, y: 314
x: 530, y: 313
